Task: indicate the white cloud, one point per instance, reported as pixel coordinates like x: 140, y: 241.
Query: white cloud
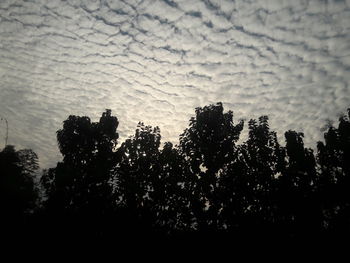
x: 155, y: 61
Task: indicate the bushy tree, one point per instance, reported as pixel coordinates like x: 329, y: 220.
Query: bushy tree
x: 248, y: 183
x: 334, y: 182
x: 136, y: 175
x: 298, y: 209
x: 207, y: 145
x: 173, y: 191
x: 18, y: 194
x: 79, y: 188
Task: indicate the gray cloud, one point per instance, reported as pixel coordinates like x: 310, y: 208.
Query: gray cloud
x: 155, y: 61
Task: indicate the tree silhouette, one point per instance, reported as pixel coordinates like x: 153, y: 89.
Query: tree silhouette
x: 265, y: 161
x: 207, y: 145
x: 79, y: 193
x: 18, y: 194
x: 206, y: 188
x: 299, y: 212
x: 173, y: 192
x: 248, y: 183
x: 334, y: 181
x: 135, y: 177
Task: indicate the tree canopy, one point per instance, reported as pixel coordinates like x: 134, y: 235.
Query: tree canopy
x: 208, y: 185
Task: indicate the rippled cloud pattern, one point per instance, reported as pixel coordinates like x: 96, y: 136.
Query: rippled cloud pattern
x: 155, y: 61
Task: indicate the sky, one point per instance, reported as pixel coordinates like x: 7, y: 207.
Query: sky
x: 156, y: 61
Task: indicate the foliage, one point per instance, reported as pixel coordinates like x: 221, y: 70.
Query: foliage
x: 17, y: 189
x: 208, y: 185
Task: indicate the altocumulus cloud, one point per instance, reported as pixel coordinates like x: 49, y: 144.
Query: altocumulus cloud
x: 155, y: 61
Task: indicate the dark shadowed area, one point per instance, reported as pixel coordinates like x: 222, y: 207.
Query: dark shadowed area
x: 208, y: 192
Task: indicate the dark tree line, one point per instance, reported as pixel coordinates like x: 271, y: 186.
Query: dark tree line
x: 207, y: 186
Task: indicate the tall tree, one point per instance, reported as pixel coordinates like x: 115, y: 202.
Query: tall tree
x: 207, y: 145
x: 173, y: 191
x: 265, y: 159
x: 334, y: 181
x: 18, y: 194
x: 298, y: 211
x: 79, y: 187
x: 135, y: 177
x: 248, y: 182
